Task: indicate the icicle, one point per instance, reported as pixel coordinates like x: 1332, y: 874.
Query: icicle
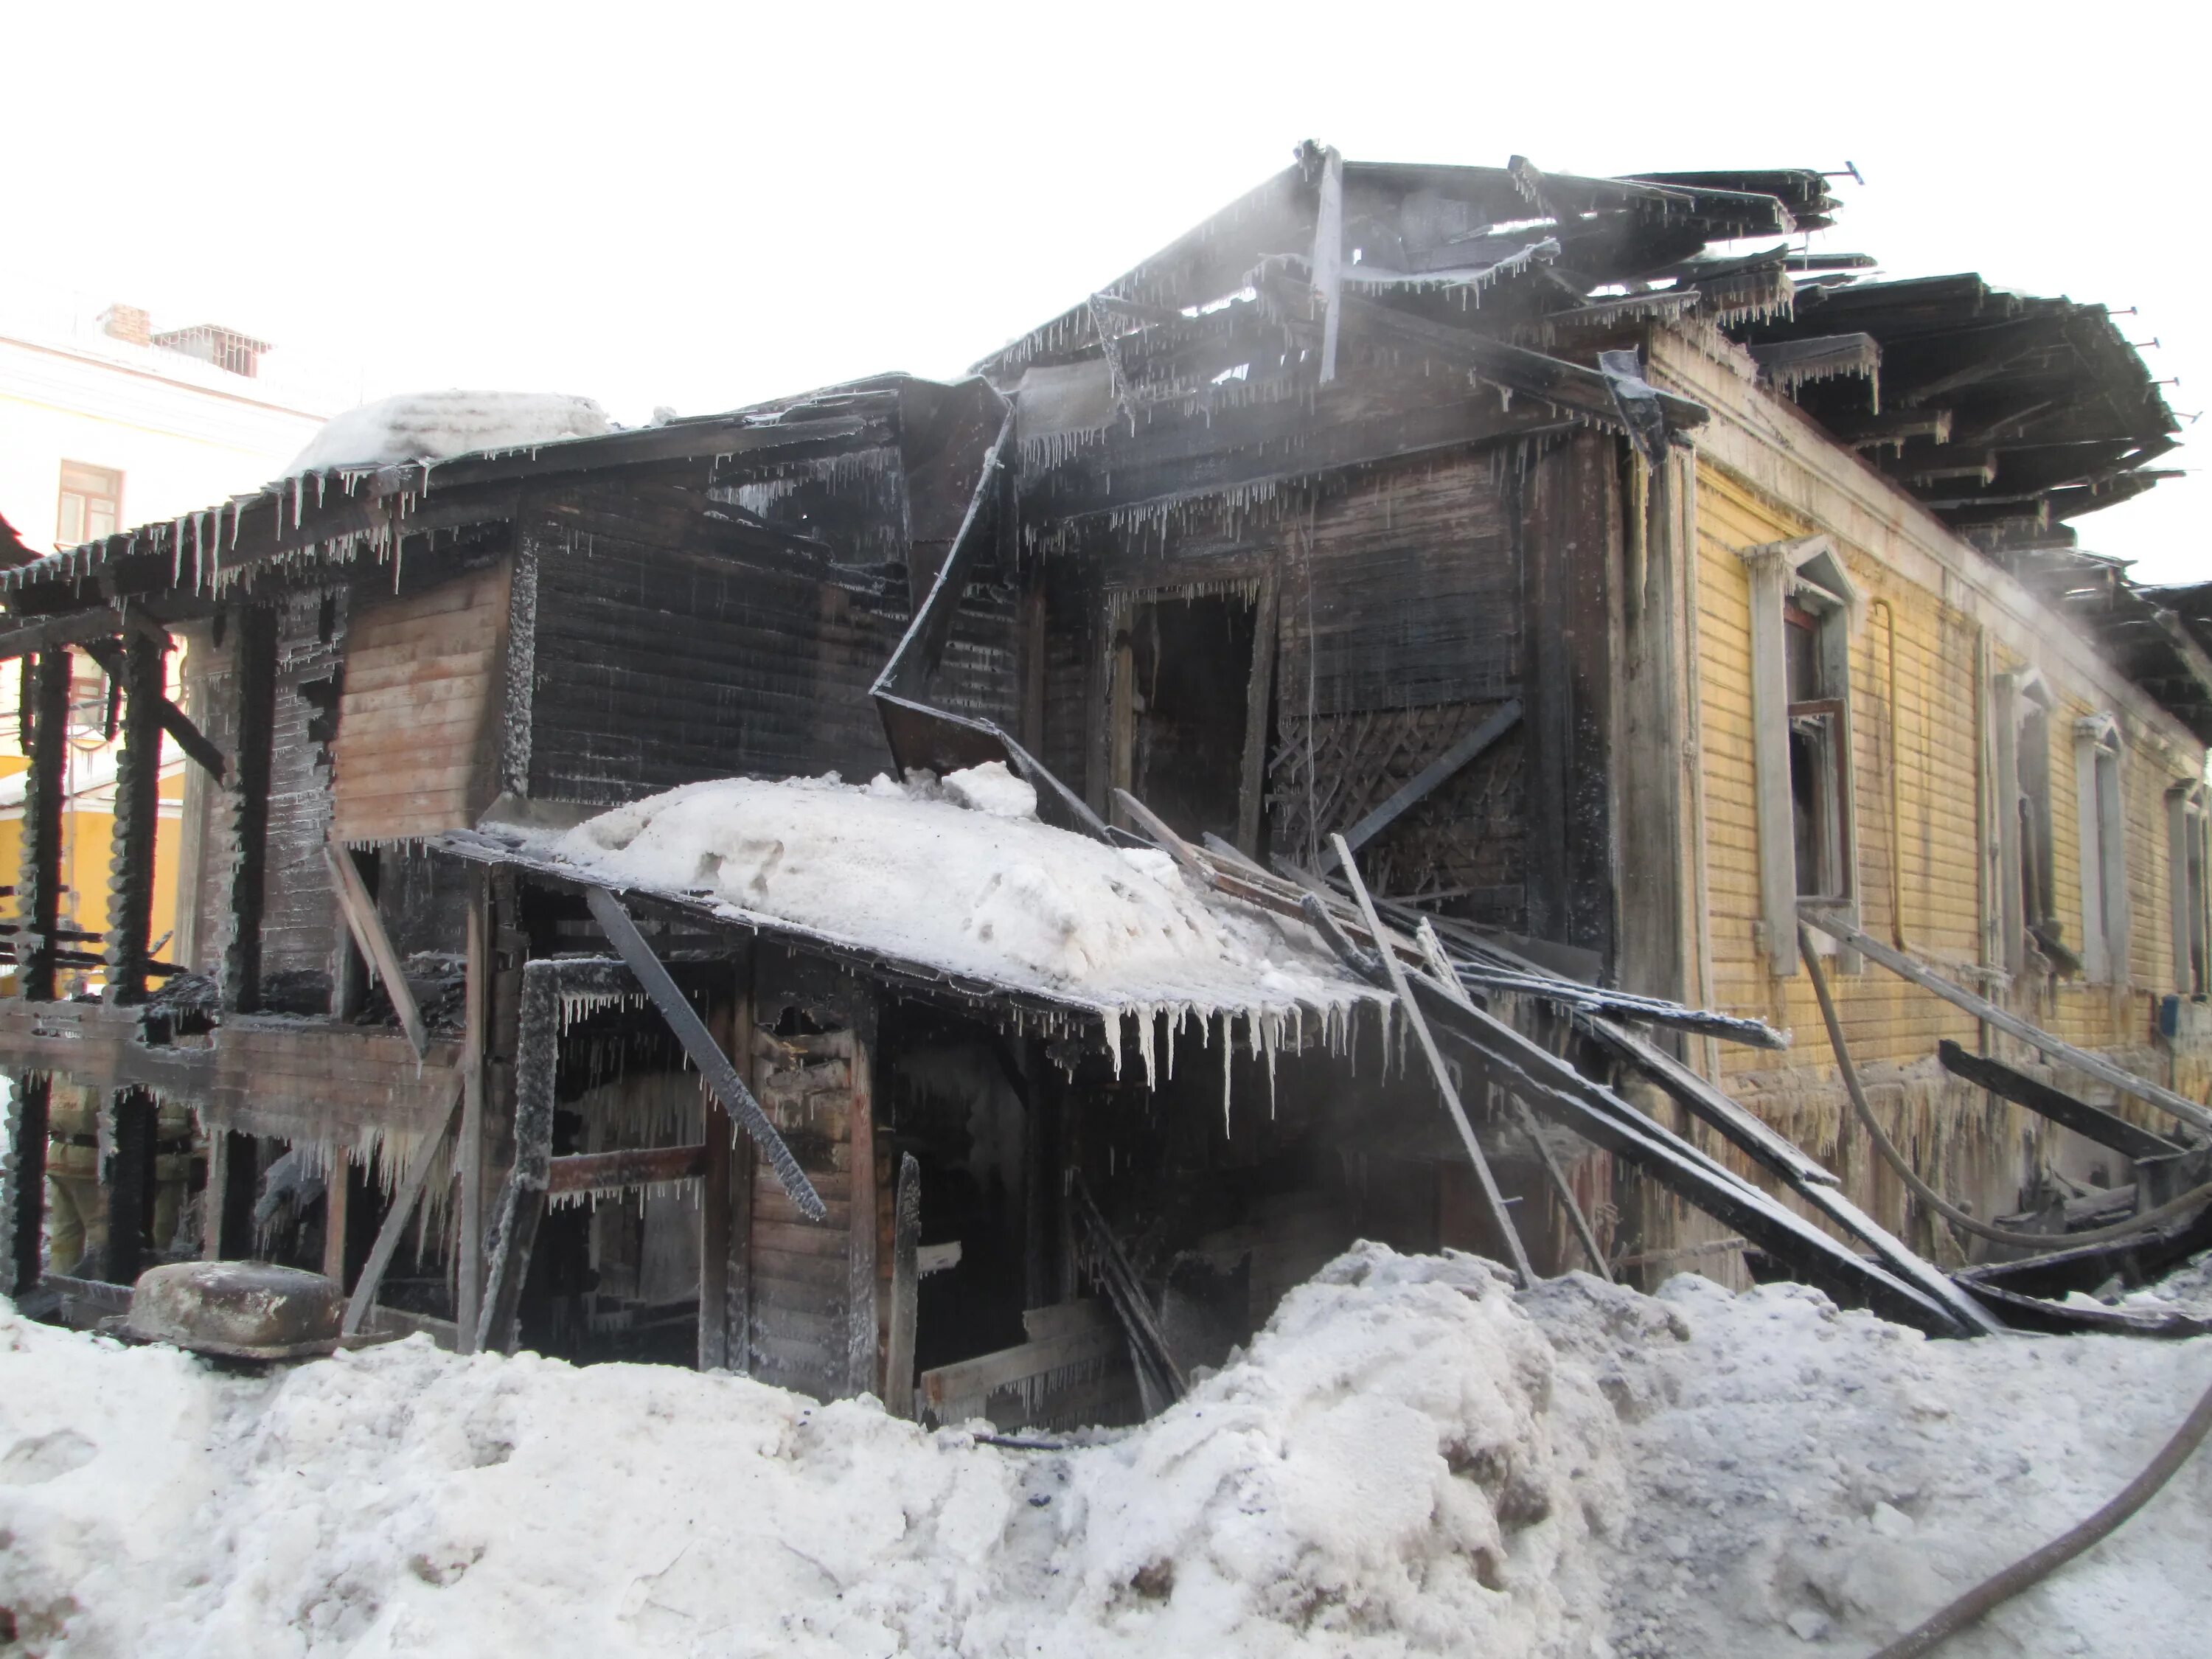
x: 1228, y: 1066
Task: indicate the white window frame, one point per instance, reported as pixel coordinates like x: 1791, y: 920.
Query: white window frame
x: 2019, y: 697
x: 2187, y: 818
x: 2099, y: 784
x: 1809, y: 570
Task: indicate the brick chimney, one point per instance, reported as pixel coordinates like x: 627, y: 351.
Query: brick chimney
x: 128, y: 323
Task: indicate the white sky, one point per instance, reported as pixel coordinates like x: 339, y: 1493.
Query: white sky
x: 705, y: 205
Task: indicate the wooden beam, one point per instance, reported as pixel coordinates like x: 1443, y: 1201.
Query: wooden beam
x: 522, y: 1204
x: 1500, y: 1216
x: 137, y: 820
x: 367, y: 928
x: 133, y: 1121
x: 2093, y: 1123
x: 1430, y: 778
x: 25, y: 1187
x: 643, y: 1166
x: 906, y: 1276
x: 863, y: 1349
x: 1601, y: 1116
x: 1804, y: 1176
x: 39, y: 877
x: 175, y: 721
x: 468, y: 1152
x: 2010, y: 1024
x: 403, y: 1200
x: 336, y: 1200
x: 254, y: 627
x: 1259, y: 705
x: 713, y: 1066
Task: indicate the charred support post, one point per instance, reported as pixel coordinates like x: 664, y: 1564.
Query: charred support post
x: 256, y: 627
x: 44, y: 740
x: 337, y: 1206
x: 39, y: 890
x: 468, y: 1152
x: 137, y: 809
x: 129, y: 1186
x: 906, y: 1278
x: 522, y: 1204
x: 25, y: 1187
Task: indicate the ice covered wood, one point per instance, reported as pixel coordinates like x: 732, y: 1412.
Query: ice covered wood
x: 982, y: 890
x: 434, y: 426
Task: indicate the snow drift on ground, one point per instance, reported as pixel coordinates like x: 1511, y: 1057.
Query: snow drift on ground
x: 436, y: 425
x: 1411, y: 1460
x: 961, y: 877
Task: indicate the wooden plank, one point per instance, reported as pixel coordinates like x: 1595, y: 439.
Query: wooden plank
x: 2011, y: 1025
x: 699, y: 1044
x: 368, y: 933
x: 1500, y: 1216
x: 906, y: 1278
x: 825, y: 1239
x: 336, y: 1202
x: 1259, y: 705
x: 987, y: 1374
x: 597, y: 1172
x: 469, y: 1154
x: 827, y: 1273
x: 2095, y: 1123
x: 395, y: 1219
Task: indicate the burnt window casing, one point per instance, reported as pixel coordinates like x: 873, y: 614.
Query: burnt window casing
x: 91, y: 503
x: 1802, y: 607
x: 2105, y: 907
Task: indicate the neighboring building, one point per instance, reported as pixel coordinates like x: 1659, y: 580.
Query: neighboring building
x: 1626, y: 606
x: 105, y: 423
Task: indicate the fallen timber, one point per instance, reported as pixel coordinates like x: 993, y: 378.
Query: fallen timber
x: 2012, y: 1024
x: 1904, y: 1280
x: 2093, y: 1122
x: 1605, y: 1121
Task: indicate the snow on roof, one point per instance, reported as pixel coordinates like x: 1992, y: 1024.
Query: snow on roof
x: 436, y: 425
x: 961, y: 877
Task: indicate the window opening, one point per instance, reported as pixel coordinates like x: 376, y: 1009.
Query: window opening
x: 91, y: 503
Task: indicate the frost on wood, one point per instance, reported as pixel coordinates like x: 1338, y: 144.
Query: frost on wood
x: 436, y: 425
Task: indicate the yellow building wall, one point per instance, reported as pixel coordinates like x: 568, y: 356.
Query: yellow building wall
x: 1919, y: 873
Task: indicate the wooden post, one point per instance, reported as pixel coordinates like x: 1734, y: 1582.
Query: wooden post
x: 39, y: 882
x: 522, y: 1198
x: 1259, y: 706
x: 861, y: 1311
x: 138, y: 817
x: 214, y: 1196
x: 26, y: 1186
x: 468, y: 1153
x: 715, y: 1208
x: 129, y: 1186
x: 241, y: 1176
x: 336, y: 1200
x: 257, y: 716
x: 737, y: 1285
x: 905, y: 1244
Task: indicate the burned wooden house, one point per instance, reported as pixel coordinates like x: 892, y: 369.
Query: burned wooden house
x: 1521, y: 650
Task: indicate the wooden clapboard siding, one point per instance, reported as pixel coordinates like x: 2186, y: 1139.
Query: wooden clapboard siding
x: 418, y: 740
x: 1935, y: 853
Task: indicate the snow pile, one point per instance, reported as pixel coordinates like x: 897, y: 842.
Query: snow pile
x: 1411, y: 1460
x: 961, y: 877
x: 436, y: 425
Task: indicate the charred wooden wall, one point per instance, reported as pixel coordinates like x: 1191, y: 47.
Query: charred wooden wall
x: 1412, y: 601
x: 653, y: 657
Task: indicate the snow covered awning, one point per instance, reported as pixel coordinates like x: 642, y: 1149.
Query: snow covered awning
x: 960, y: 881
